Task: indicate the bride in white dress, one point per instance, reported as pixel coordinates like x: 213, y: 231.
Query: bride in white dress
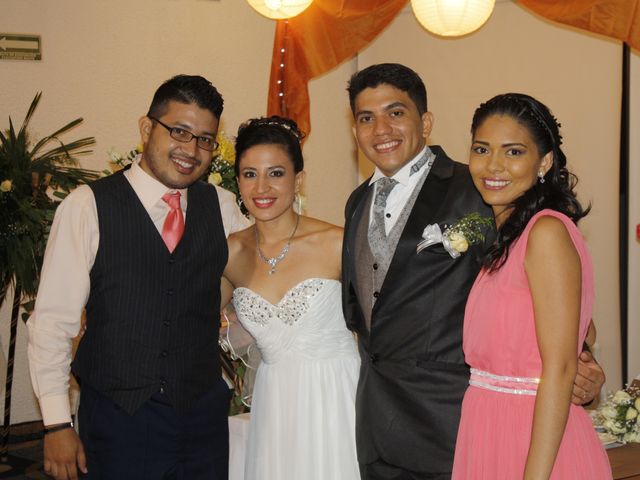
x: 283, y: 273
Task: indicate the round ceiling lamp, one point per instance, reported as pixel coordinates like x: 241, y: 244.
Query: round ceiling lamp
x: 452, y: 18
x: 279, y: 9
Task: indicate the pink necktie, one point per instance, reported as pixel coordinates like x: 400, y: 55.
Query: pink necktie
x: 173, y: 227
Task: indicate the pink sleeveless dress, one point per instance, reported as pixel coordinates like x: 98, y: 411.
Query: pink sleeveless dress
x: 500, y: 345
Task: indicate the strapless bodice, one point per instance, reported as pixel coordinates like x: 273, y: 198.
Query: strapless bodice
x: 307, y: 321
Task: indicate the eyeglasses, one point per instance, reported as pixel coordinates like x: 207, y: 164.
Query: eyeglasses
x: 180, y: 134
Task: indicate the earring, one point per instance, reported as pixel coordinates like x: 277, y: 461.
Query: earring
x: 297, y: 200
x: 541, y: 176
x: 243, y: 209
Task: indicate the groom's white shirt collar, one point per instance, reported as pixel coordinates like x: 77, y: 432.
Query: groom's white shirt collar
x: 402, y: 175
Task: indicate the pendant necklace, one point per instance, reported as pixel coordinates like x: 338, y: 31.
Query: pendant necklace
x: 273, y: 261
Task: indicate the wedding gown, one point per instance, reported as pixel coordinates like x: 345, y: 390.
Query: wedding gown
x: 302, y: 413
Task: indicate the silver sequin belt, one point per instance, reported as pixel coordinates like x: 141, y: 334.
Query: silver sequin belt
x: 503, y: 383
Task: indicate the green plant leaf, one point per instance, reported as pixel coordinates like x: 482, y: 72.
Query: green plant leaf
x: 26, y: 211
x: 55, y: 134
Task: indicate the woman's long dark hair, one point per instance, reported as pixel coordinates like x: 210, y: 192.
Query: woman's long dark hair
x: 557, y: 190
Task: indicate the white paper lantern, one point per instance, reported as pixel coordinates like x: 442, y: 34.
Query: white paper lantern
x: 279, y: 9
x: 452, y: 18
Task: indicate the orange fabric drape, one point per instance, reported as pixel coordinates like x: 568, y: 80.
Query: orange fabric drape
x: 317, y: 40
x: 330, y: 31
x: 613, y: 18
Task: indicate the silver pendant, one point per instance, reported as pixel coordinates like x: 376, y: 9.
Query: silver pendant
x: 272, y: 263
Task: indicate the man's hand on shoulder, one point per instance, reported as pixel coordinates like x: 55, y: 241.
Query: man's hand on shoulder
x: 589, y: 380
x: 64, y: 455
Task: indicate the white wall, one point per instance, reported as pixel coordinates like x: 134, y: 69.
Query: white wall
x: 104, y: 60
x: 330, y: 152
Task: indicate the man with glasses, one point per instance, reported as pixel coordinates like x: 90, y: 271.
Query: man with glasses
x: 142, y: 251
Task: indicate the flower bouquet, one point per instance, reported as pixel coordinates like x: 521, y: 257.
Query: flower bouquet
x: 617, y: 418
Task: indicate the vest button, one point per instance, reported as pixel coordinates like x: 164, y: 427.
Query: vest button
x: 376, y: 294
x: 172, y: 261
x: 373, y: 357
x: 166, y: 323
x: 164, y: 353
x: 170, y: 291
x: 388, y: 215
x: 375, y: 266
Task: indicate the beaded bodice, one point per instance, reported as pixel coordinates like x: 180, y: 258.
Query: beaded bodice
x: 289, y: 309
x: 306, y: 322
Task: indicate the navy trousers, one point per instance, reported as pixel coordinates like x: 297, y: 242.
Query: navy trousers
x: 155, y: 443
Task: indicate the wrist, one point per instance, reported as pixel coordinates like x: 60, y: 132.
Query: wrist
x: 57, y: 427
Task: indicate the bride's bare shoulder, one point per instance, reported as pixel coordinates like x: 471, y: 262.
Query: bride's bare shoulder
x: 239, y: 241
x: 324, y: 233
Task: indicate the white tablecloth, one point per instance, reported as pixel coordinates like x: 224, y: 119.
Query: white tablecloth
x: 238, y: 434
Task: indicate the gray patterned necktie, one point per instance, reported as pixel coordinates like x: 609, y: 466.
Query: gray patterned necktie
x: 384, y: 186
x: 377, y: 233
x: 378, y: 239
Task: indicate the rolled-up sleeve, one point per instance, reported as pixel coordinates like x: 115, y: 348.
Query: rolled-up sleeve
x: 62, y: 295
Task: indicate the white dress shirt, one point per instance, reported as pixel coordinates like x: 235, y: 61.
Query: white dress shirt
x: 232, y: 218
x: 65, y: 283
x: 398, y: 197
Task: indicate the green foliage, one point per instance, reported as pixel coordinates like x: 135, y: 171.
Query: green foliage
x: 237, y: 406
x: 472, y: 226
x: 227, y: 179
x: 33, y: 180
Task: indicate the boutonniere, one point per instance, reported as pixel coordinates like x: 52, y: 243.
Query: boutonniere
x: 456, y: 238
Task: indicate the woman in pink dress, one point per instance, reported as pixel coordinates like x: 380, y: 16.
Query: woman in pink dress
x: 530, y: 308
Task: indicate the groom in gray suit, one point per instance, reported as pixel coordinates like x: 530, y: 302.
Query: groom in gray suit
x: 407, y: 307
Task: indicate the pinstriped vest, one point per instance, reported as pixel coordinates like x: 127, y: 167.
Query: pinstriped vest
x: 153, y: 316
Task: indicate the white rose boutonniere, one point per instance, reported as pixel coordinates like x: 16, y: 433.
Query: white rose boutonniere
x: 456, y: 238
x: 458, y: 242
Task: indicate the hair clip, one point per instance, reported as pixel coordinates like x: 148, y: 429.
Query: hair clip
x: 276, y: 121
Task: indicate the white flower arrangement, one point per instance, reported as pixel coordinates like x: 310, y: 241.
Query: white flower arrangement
x: 456, y: 238
x: 118, y: 160
x: 618, y: 416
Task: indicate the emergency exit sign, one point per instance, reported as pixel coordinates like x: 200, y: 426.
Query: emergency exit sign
x: 20, y: 47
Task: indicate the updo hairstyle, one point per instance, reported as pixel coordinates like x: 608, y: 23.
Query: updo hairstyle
x: 272, y: 130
